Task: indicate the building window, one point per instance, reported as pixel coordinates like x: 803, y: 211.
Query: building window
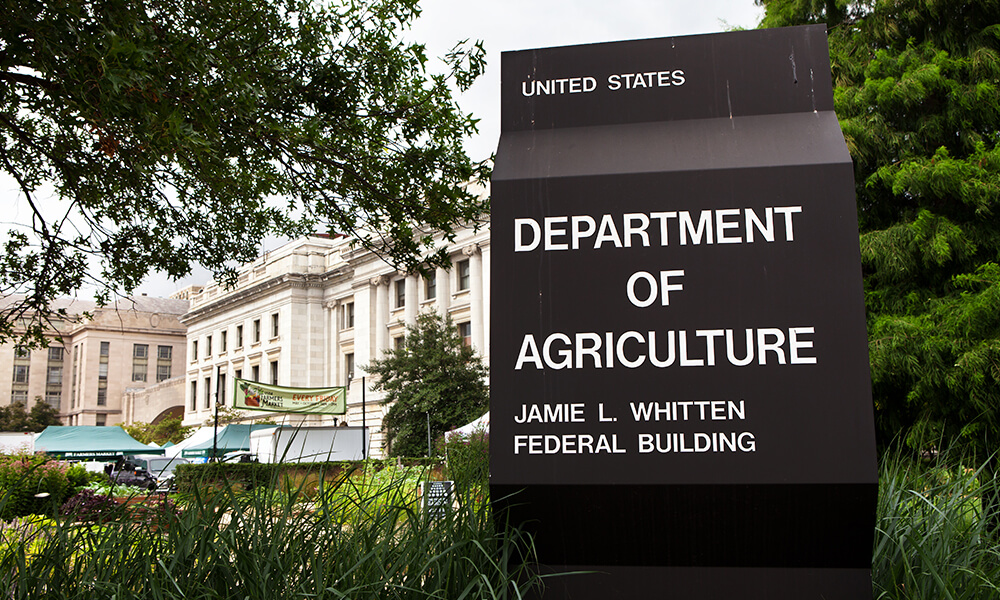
x: 463, y: 274
x: 400, y: 293
x: 239, y: 336
x: 208, y: 392
x: 21, y: 352
x: 398, y: 342
x: 55, y: 354
x: 20, y: 373
x: 55, y: 375
x: 348, y: 368
x: 274, y: 372
x: 53, y: 398
x: 465, y: 332
x: 222, y: 340
x: 194, y: 395
x: 102, y: 378
x: 348, y: 315
x: 255, y: 373
x: 238, y: 373
x: 208, y: 346
x: 274, y: 325
x: 105, y: 348
x: 140, y: 352
x: 164, y: 356
x: 19, y: 396
x: 256, y: 330
x: 220, y: 393
x: 101, y: 420
x: 194, y: 350
x: 430, y: 286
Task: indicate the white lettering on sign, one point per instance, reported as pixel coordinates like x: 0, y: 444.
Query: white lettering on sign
x: 549, y: 87
x: 551, y: 413
x: 649, y: 79
x: 664, y: 443
x: 571, y: 443
x: 632, y: 349
x: 615, y: 82
x: 642, y: 230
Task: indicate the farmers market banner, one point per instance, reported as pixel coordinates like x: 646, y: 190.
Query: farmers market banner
x: 251, y: 395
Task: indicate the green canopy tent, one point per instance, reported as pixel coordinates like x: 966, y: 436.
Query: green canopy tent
x: 87, y: 442
x: 231, y: 438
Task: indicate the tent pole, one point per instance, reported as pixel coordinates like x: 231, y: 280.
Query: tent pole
x: 364, y: 426
x: 215, y: 430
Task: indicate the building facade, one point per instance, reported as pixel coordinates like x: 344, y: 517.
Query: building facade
x: 314, y: 312
x: 93, y: 363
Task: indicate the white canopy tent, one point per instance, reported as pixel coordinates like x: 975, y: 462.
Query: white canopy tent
x: 480, y: 424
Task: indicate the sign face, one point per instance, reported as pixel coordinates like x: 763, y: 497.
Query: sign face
x: 250, y: 395
x: 680, y: 395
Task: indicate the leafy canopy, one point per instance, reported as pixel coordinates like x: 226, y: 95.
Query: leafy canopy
x: 16, y: 417
x: 167, y: 430
x: 917, y: 92
x: 153, y: 135
x: 433, y: 373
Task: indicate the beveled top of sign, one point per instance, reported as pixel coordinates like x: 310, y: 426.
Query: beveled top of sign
x: 737, y: 74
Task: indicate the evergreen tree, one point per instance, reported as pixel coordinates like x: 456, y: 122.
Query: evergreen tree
x: 434, y: 376
x: 917, y: 91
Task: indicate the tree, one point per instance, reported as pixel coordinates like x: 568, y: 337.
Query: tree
x: 176, y: 132
x: 43, y: 414
x: 16, y: 417
x: 918, y: 97
x: 167, y: 430
x: 434, y: 376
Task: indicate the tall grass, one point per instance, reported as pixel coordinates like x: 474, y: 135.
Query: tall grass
x: 360, y: 539
x: 932, y: 539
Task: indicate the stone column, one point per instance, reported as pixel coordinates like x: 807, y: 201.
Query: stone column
x: 486, y: 301
x: 331, y: 356
x: 381, y: 285
x: 364, y: 320
x: 443, y: 299
x: 476, y: 294
x: 412, y: 302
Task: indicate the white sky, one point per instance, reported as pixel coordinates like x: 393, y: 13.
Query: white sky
x: 522, y: 24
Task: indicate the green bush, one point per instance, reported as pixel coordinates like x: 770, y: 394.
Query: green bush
x: 933, y: 538
x: 34, y: 484
x: 361, y: 539
x: 468, y: 465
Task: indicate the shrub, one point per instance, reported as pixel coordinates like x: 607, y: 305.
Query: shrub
x: 932, y: 537
x: 468, y: 464
x: 87, y: 505
x: 32, y: 484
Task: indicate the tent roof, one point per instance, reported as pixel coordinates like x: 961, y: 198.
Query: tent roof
x: 89, y: 442
x: 232, y: 438
x: 482, y: 424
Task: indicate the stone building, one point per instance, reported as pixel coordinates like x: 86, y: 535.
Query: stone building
x: 314, y: 312
x: 93, y: 363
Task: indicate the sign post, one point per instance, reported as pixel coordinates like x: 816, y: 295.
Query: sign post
x: 680, y: 395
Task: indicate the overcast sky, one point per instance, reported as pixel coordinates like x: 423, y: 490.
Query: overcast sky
x: 522, y: 24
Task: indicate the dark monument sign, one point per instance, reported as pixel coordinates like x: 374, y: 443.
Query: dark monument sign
x: 681, y: 400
